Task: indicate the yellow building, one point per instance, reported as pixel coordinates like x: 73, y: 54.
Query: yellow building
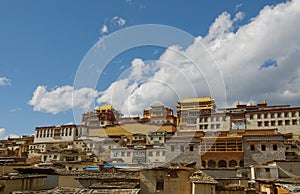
x: 189, y: 110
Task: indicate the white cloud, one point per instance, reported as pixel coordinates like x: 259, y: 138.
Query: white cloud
x: 272, y: 35
x: 2, y: 134
x: 61, y: 99
x: 4, y: 81
x: 114, y: 24
x: 118, y: 21
x: 104, y: 29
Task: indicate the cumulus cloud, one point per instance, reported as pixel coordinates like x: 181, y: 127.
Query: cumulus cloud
x: 4, y: 81
x: 259, y: 60
x: 61, y: 99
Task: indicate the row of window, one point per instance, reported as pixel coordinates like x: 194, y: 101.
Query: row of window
x: 263, y: 147
x: 51, y: 133
x: 150, y: 154
x: 212, y: 119
x: 182, y: 148
x: 36, y: 146
x: 221, y: 163
x: 277, y: 123
x: 275, y: 115
x: 203, y: 119
x: 211, y: 126
x: 50, y: 156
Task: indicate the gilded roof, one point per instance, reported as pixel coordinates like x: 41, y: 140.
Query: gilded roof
x: 202, y: 99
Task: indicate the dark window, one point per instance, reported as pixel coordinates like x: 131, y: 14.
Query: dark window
x: 275, y: 147
x: 273, y: 123
x: 232, y: 163
x: 267, y: 169
x: 172, y: 148
x: 286, y: 114
x: 160, y: 185
x: 242, y: 163
x: 266, y: 123
x: 287, y: 122
x: 191, y: 148
x: 222, y: 164
x: 263, y: 147
x: 252, y: 147
x: 294, y: 121
x: 259, y: 123
x: 211, y: 164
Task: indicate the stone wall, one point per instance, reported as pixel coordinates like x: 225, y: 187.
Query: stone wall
x: 258, y: 149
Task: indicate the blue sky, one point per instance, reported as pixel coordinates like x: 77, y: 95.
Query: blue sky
x: 42, y: 43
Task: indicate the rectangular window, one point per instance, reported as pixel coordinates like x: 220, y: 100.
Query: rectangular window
x: 128, y: 154
x: 159, y: 185
x: 266, y: 123
x: 150, y: 153
x: 267, y: 169
x: 280, y: 123
x: 287, y: 122
x: 275, y: 147
x: 157, y: 153
x: 273, y: 123
x: 294, y: 121
x: 252, y: 147
x: 286, y: 114
x: 259, y: 123
x: 191, y: 148
x: 172, y: 148
x: 263, y: 147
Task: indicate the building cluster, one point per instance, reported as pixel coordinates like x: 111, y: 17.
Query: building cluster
x: 245, y: 148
